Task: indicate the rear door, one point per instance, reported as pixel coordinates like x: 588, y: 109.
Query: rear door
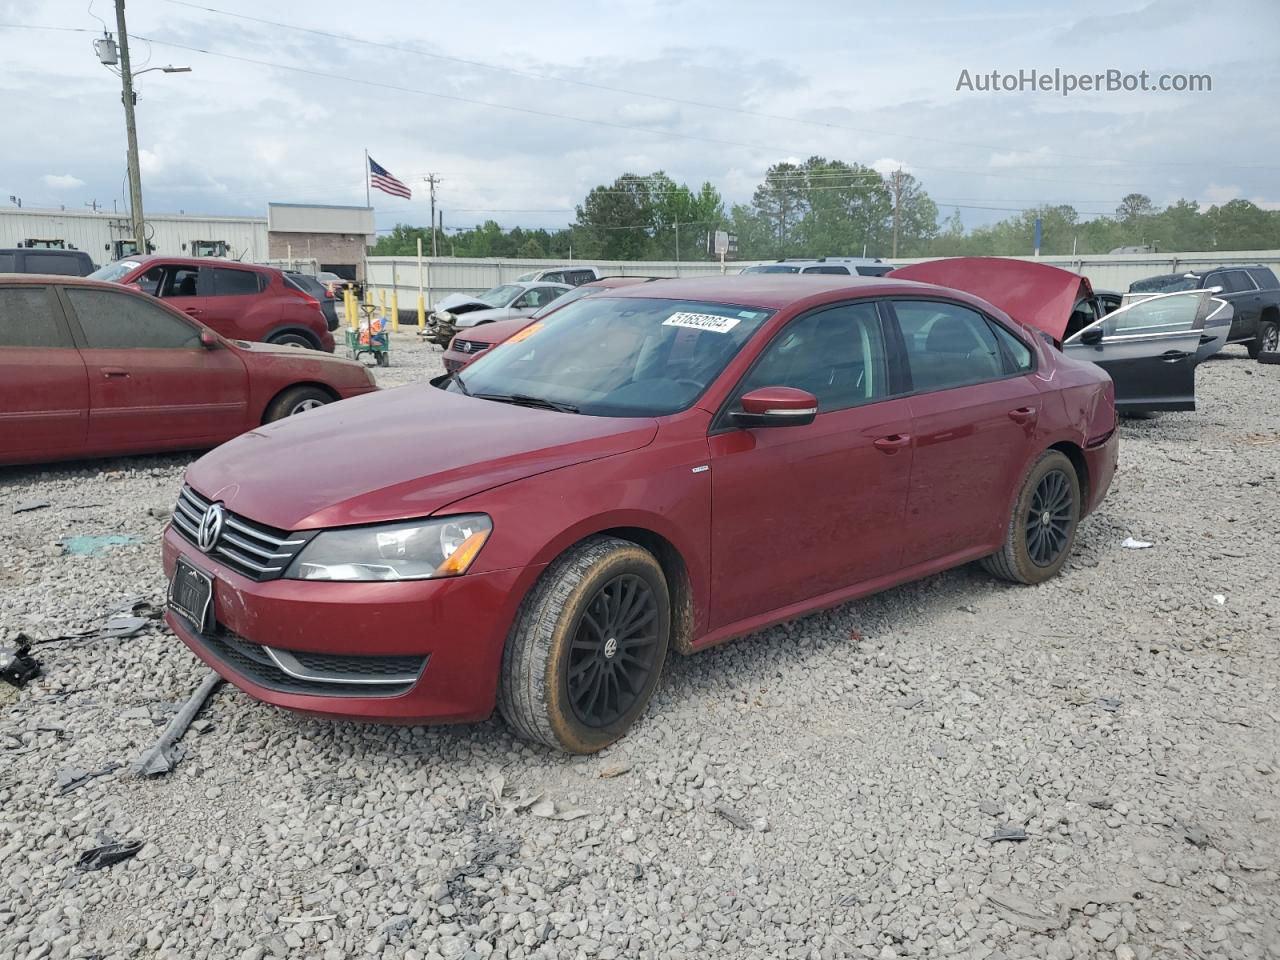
x: 1149, y: 347
x: 44, y: 395
x: 974, y: 410
x: 151, y: 382
x: 237, y: 307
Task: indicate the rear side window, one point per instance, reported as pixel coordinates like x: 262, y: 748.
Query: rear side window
x: 235, y: 283
x: 1264, y: 278
x: 122, y: 321
x: 838, y: 355
x: 53, y: 263
x: 578, y: 277
x: 27, y: 319
x: 1015, y: 350
x: 1240, y: 280
x: 947, y: 345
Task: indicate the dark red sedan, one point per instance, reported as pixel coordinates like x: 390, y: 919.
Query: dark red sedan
x: 664, y: 466
x: 93, y: 369
x: 247, y: 301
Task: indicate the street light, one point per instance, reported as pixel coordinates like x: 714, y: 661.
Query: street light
x: 106, y: 50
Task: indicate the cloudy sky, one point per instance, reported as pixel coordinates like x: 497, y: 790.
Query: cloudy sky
x: 520, y: 109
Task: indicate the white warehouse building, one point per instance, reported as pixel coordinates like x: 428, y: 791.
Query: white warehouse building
x: 109, y: 236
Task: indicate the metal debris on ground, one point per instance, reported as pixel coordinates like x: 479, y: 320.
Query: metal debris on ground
x: 162, y: 757
x: 108, y: 855
x: 614, y: 770
x: 1018, y: 912
x: 123, y: 626
x: 1134, y: 544
x: 17, y: 666
x: 1108, y: 704
x: 27, y: 506
x: 72, y: 778
x: 1015, y: 834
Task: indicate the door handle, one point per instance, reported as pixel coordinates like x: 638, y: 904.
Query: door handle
x: 1173, y: 356
x: 892, y: 443
x: 191, y: 310
x: 1022, y: 414
x: 114, y: 373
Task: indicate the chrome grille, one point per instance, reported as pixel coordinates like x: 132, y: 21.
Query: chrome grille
x: 253, y: 549
x: 469, y: 346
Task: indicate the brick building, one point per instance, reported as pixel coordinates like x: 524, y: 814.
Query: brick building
x: 336, y: 237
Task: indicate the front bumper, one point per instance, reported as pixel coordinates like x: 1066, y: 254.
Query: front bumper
x: 448, y: 634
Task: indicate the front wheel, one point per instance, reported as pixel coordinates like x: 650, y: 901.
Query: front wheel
x: 294, y: 401
x: 1042, y: 528
x: 588, y: 644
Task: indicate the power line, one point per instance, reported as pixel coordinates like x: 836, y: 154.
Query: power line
x: 1076, y: 158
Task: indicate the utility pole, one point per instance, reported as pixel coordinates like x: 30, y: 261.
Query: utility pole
x: 92, y: 205
x: 431, y: 180
x: 896, y: 181
x: 135, y: 176
x: 677, y: 238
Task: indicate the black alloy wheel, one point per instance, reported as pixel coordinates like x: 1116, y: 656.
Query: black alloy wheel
x: 614, y: 651
x: 1049, y: 520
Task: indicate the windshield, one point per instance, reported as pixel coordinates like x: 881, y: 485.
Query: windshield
x: 577, y: 293
x: 773, y: 268
x: 617, y: 357
x: 501, y: 295
x: 114, y: 272
x: 1167, y: 283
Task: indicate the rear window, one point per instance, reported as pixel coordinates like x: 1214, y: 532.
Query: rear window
x: 27, y: 319
x: 1264, y: 278
x: 235, y: 283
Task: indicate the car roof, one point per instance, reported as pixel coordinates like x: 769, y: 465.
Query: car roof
x: 200, y: 262
x: 778, y: 290
x: 72, y: 253
x: 44, y: 278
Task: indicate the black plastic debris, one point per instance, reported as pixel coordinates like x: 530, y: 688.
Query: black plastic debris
x: 108, y: 855
x: 72, y: 778
x: 17, y: 666
x: 164, y: 756
x: 124, y: 626
x: 1014, y: 834
x: 27, y: 506
x: 733, y: 816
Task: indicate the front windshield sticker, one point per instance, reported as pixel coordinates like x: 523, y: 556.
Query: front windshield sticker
x: 702, y: 321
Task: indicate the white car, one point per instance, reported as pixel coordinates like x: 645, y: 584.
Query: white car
x: 573, y: 276
x: 504, y: 302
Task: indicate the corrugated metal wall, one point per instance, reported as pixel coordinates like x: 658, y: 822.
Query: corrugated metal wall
x: 93, y: 232
x: 446, y: 275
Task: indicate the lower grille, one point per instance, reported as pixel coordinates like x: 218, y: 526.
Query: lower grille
x: 316, y: 674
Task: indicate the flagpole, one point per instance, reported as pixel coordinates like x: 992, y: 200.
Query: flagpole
x: 367, y: 203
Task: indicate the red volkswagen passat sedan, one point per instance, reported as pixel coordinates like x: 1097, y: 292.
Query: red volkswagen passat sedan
x: 662, y: 466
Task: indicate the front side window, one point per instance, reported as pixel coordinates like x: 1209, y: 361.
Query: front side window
x: 838, y: 355
x: 1161, y: 313
x: 616, y: 357
x: 947, y: 345
x: 537, y: 297
x: 234, y: 283
x: 181, y: 282
x: 122, y: 321
x: 27, y: 319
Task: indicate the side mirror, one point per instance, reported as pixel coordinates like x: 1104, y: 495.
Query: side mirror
x: 1092, y: 334
x: 776, y: 407
x: 208, y: 340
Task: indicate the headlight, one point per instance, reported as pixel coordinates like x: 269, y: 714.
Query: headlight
x: 416, y: 550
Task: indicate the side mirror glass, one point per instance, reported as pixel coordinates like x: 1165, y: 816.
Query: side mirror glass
x: 208, y: 340
x: 776, y: 407
x: 1092, y: 335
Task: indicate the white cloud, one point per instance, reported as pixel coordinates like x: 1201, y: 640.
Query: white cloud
x: 62, y: 181
x: 887, y: 165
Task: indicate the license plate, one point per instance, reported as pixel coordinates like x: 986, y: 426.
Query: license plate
x: 191, y: 594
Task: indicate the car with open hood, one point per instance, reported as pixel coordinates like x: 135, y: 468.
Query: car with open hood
x: 506, y: 301
x: 1150, y: 345
x: 92, y: 369
x: 537, y: 532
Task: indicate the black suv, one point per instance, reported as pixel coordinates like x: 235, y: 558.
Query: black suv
x: 1252, y: 291
x: 65, y: 263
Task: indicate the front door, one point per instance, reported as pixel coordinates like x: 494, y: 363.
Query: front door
x: 1149, y: 347
x: 44, y: 397
x: 974, y: 411
x: 798, y: 512
x: 151, y: 382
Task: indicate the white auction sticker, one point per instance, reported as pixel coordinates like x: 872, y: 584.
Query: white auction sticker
x: 702, y: 321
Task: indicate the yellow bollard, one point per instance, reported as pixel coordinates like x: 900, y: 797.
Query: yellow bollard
x: 349, y: 304
x: 368, y: 294
x: 422, y: 312
x: 382, y: 302
x: 395, y: 311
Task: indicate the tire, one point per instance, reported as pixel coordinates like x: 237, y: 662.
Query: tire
x: 1267, y: 343
x: 562, y: 649
x: 292, y: 340
x: 1051, y: 487
x: 294, y: 401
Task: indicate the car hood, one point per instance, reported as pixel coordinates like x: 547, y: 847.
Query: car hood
x: 459, y: 300
x: 398, y: 454
x: 1035, y: 294
x: 498, y: 331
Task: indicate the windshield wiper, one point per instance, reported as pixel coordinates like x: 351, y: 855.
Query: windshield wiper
x: 457, y: 378
x: 524, y: 400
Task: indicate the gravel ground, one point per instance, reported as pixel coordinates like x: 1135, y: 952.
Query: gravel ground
x: 826, y: 788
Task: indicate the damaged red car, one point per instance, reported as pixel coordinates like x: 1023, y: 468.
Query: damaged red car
x: 655, y: 468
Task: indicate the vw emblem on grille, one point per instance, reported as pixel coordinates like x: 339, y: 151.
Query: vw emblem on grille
x: 210, y: 527
x: 464, y: 347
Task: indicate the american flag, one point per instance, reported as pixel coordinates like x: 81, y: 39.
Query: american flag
x: 380, y: 178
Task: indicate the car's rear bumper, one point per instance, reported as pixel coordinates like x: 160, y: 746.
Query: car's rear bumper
x: 1101, y: 460
x: 449, y: 634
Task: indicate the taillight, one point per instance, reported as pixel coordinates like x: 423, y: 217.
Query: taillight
x: 302, y: 295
